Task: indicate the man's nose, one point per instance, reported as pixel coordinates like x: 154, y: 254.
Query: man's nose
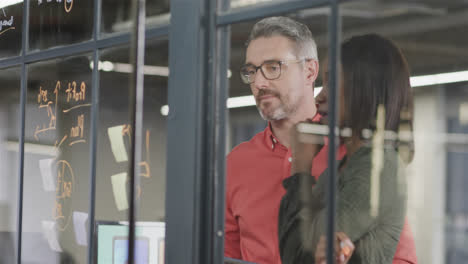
x: 260, y: 82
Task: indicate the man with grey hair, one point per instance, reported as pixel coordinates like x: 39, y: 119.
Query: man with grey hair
x: 281, y: 67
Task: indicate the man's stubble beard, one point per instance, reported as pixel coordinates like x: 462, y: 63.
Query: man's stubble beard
x: 283, y: 111
x: 277, y: 114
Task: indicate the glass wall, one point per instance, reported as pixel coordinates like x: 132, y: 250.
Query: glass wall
x: 432, y: 228
x: 61, y: 86
x: 114, y: 139
x: 428, y: 35
x: 116, y: 16
x: 11, y: 28
x: 53, y: 79
x: 58, y: 23
x: 56, y: 172
x: 259, y: 160
x: 9, y: 147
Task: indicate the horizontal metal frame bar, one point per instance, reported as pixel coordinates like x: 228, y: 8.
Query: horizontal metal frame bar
x: 11, y: 62
x: 89, y: 46
x: 270, y: 9
x: 243, y: 14
x: 60, y: 52
x: 158, y: 32
x: 115, y: 40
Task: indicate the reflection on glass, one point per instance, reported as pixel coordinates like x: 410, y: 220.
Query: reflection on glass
x: 60, y: 22
x: 56, y: 171
x: 11, y: 27
x: 9, y: 147
x: 115, y: 131
x: 117, y: 17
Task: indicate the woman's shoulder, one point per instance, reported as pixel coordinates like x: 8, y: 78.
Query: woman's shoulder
x: 368, y: 158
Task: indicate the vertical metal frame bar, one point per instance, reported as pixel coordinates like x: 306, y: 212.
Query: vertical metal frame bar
x: 94, y: 133
x: 211, y: 130
x: 136, y: 96
x: 334, y: 28
x: 21, y: 160
x: 25, y: 33
x: 23, y: 98
x: 92, y: 156
x: 189, y: 192
x: 219, y: 38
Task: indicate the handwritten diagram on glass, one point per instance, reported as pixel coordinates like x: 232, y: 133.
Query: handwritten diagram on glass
x: 58, y: 175
x: 67, y: 4
x: 58, y: 117
x: 11, y: 22
x: 64, y: 190
x: 6, y: 23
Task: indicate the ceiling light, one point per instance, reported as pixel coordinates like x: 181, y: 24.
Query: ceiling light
x: 236, y: 102
x: 107, y: 66
x: 241, y: 101
x: 165, y: 110
x: 440, y: 78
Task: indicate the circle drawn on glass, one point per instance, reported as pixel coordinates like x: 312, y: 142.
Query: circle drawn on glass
x: 68, y: 8
x: 63, y: 194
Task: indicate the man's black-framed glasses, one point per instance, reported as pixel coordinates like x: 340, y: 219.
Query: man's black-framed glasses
x: 270, y: 69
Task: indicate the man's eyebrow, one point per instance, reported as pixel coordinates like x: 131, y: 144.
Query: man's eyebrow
x: 270, y: 60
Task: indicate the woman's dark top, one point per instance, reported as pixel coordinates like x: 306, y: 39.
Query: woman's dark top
x: 374, y: 229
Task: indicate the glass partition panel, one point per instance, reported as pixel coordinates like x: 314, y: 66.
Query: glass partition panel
x: 430, y: 140
x: 114, y: 141
x: 59, y: 22
x: 56, y: 172
x: 9, y: 147
x: 11, y: 27
x: 272, y: 82
x: 116, y: 15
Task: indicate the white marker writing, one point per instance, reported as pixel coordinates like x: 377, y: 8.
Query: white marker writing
x: 4, y: 23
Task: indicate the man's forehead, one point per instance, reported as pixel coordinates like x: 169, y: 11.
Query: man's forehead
x: 269, y: 48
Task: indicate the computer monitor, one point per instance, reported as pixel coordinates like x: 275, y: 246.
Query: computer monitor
x: 112, y: 242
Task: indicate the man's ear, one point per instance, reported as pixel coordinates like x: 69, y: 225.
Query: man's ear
x: 311, y: 68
